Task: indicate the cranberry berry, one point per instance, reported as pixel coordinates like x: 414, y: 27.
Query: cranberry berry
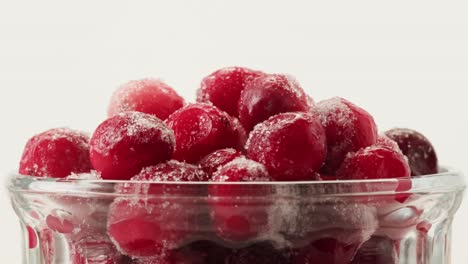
x: 211, y: 162
x: 419, y: 150
x: 348, y: 129
x: 259, y: 253
x: 292, y: 146
x: 150, y: 224
x: 125, y: 143
x: 268, y: 95
x: 374, y: 162
x: 223, y: 87
x: 151, y: 96
x: 56, y: 153
x: 201, y: 129
x: 237, y: 214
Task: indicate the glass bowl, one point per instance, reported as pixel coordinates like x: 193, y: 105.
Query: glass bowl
x: 338, y: 222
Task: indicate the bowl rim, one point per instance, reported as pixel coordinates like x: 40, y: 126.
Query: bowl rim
x: 447, y: 180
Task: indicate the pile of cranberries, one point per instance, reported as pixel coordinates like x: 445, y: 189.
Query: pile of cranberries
x: 246, y: 126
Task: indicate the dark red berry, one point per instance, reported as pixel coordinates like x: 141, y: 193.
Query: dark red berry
x: 348, y: 129
x: 151, y: 96
x: 201, y: 129
x: 268, y: 95
x: 377, y: 250
x: 211, y: 162
x: 56, y: 153
x: 125, y: 143
x: 150, y: 224
x: 238, y: 214
x: 201, y: 252
x: 260, y: 253
x: 374, y: 162
x: 326, y: 250
x: 421, y: 154
x: 224, y: 86
x: 292, y: 146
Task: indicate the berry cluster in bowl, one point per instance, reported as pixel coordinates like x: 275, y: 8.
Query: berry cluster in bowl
x: 247, y: 126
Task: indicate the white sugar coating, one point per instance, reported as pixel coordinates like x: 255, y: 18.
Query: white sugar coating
x: 172, y: 170
x: 254, y: 171
x: 121, y: 100
x: 140, y: 127
x: 92, y: 175
x: 294, y: 86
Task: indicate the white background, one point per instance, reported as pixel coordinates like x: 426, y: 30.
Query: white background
x: 406, y: 62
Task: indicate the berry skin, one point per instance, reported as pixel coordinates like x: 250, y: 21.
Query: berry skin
x: 153, y: 225
x: 150, y: 96
x: 211, y: 162
x: 237, y: 215
x: 292, y: 146
x: 377, y: 250
x: 125, y: 143
x: 374, y: 162
x: 260, y: 253
x: 201, y: 129
x: 268, y: 95
x: 223, y: 87
x: 348, y: 129
x: 421, y: 154
x: 56, y: 153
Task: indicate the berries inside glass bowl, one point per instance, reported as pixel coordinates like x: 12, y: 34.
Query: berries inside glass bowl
x: 234, y: 178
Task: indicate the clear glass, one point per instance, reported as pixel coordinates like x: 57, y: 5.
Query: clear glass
x: 373, y: 221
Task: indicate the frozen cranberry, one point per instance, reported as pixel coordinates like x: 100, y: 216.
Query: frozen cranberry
x: 93, y: 250
x: 326, y: 250
x: 32, y: 237
x: 211, y: 162
x: 171, y: 171
x: 56, y: 153
x: 151, y: 96
x: 377, y: 250
x: 200, y: 129
x: 268, y: 95
x: 260, y: 253
x: 125, y: 143
x: 224, y: 86
x: 384, y: 141
x: 238, y: 214
x: 348, y: 129
x: 374, y: 162
x: 292, y: 146
x: 153, y: 224
x: 421, y: 155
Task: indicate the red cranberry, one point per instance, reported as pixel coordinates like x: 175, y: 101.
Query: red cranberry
x: 237, y: 213
x: 268, y: 95
x: 152, y: 225
x: 260, y: 253
x: 224, y: 86
x: 211, y: 162
x: 292, y: 146
x: 377, y: 250
x: 56, y: 153
x: 374, y: 162
x: 151, y: 96
x: 201, y: 129
x: 95, y: 250
x: 60, y: 221
x: 421, y: 155
x: 348, y: 129
x: 32, y: 237
x: 125, y: 143
x: 326, y: 250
